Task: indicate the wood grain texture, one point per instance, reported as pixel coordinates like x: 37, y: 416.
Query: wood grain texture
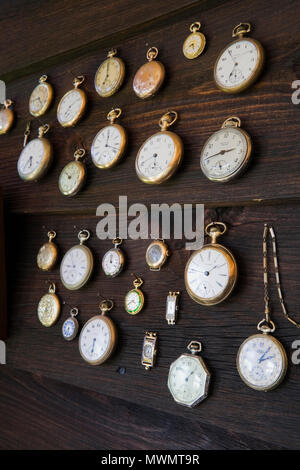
x: 3, y: 311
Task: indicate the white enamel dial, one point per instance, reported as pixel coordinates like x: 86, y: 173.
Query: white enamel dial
x: 224, y: 153
x: 75, y: 267
x: 261, y: 361
x: 71, y: 177
x: 208, y: 273
x: 95, y: 340
x: 112, y: 262
x: 237, y: 63
x: 133, y: 301
x: 70, y: 106
x: 106, y: 146
x: 31, y: 157
x: 187, y: 380
x: 155, y: 155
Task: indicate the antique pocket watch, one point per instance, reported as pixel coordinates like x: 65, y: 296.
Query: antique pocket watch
x: 211, y: 272
x: 70, y: 326
x: 194, y: 44
x: 227, y: 152
x: 134, y: 299
x: 7, y: 117
x: 240, y: 63
x: 48, y: 253
x: 109, y: 144
x: 77, y: 264
x: 41, y: 97
x: 113, y: 261
x: 189, y: 377
x: 160, y: 156
x: 150, y: 76
x: 157, y: 254
x: 72, y: 106
x: 110, y: 75
x: 36, y: 156
x: 49, y: 307
x: 73, y: 175
x: 98, y: 337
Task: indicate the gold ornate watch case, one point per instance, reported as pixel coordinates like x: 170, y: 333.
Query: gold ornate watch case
x: 48, y: 253
x: 110, y: 75
x: 73, y: 176
x: 49, y: 307
x: 41, y: 97
x: 7, y: 117
x: 194, y: 44
x: 72, y: 105
x: 150, y: 76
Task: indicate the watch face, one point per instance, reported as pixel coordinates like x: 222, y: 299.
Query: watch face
x: 108, y: 146
x: 40, y: 99
x: 238, y: 65
x: 76, y: 267
x: 70, y: 328
x: 148, y: 79
x: 97, y: 340
x: 156, y: 254
x: 6, y: 120
x: 261, y: 362
x: 188, y: 380
x: 225, y: 154
x: 210, y: 274
x: 71, y: 178
x: 34, y: 159
x: 47, y: 256
x: 159, y: 157
x: 112, y: 262
x: 109, y: 76
x: 48, y: 309
x: 193, y: 45
x: 71, y: 107
x: 134, y: 301
x: 148, y: 350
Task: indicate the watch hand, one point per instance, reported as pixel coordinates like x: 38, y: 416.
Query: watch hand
x: 266, y: 358
x: 261, y: 357
x: 94, y: 341
x: 220, y: 153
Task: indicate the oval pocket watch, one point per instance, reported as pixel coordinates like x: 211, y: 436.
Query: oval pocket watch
x: 160, y: 156
x: 73, y: 175
x: 113, y: 261
x: 194, y: 44
x: 157, y: 254
x: 227, y: 152
x: 70, y: 326
x: 150, y: 76
x: 6, y: 117
x: 240, y: 63
x: 211, y: 272
x: 110, y: 75
x: 36, y: 156
x: 49, y: 307
x: 48, y: 253
x: 41, y: 97
x: 77, y: 264
x: 98, y: 337
x: 72, y: 106
x: 134, y: 299
x: 109, y: 144
x: 189, y: 377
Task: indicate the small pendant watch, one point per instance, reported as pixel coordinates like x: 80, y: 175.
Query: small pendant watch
x: 194, y: 44
x: 48, y: 253
x: 49, y: 307
x: 157, y: 254
x: 211, y: 272
x: 7, y: 117
x: 41, y: 97
x: 113, y: 261
x: 36, y: 156
x: 160, y: 156
x: 134, y: 299
x: 72, y: 106
x: 109, y: 144
x: 150, y: 76
x: 70, y: 326
x: 226, y: 154
x: 73, y: 175
x: 110, y: 75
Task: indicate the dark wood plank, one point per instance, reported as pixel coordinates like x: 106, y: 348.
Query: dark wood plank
x: 3, y: 311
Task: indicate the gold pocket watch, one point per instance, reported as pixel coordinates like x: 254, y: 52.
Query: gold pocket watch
x: 134, y: 299
x: 49, y: 307
x: 41, y: 97
x: 157, y: 254
x: 110, y: 75
x: 240, y: 63
x: 77, y: 264
x: 211, y: 272
x: 150, y: 76
x: 227, y: 152
x: 72, y: 106
x: 160, y: 156
x: 98, y: 337
x: 109, y: 144
x: 48, y: 253
x: 73, y: 175
x: 113, y: 261
x: 194, y: 44
x: 70, y: 326
x: 189, y: 377
x: 36, y: 156
x: 7, y: 117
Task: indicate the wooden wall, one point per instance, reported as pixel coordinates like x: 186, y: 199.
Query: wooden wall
x: 47, y: 392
